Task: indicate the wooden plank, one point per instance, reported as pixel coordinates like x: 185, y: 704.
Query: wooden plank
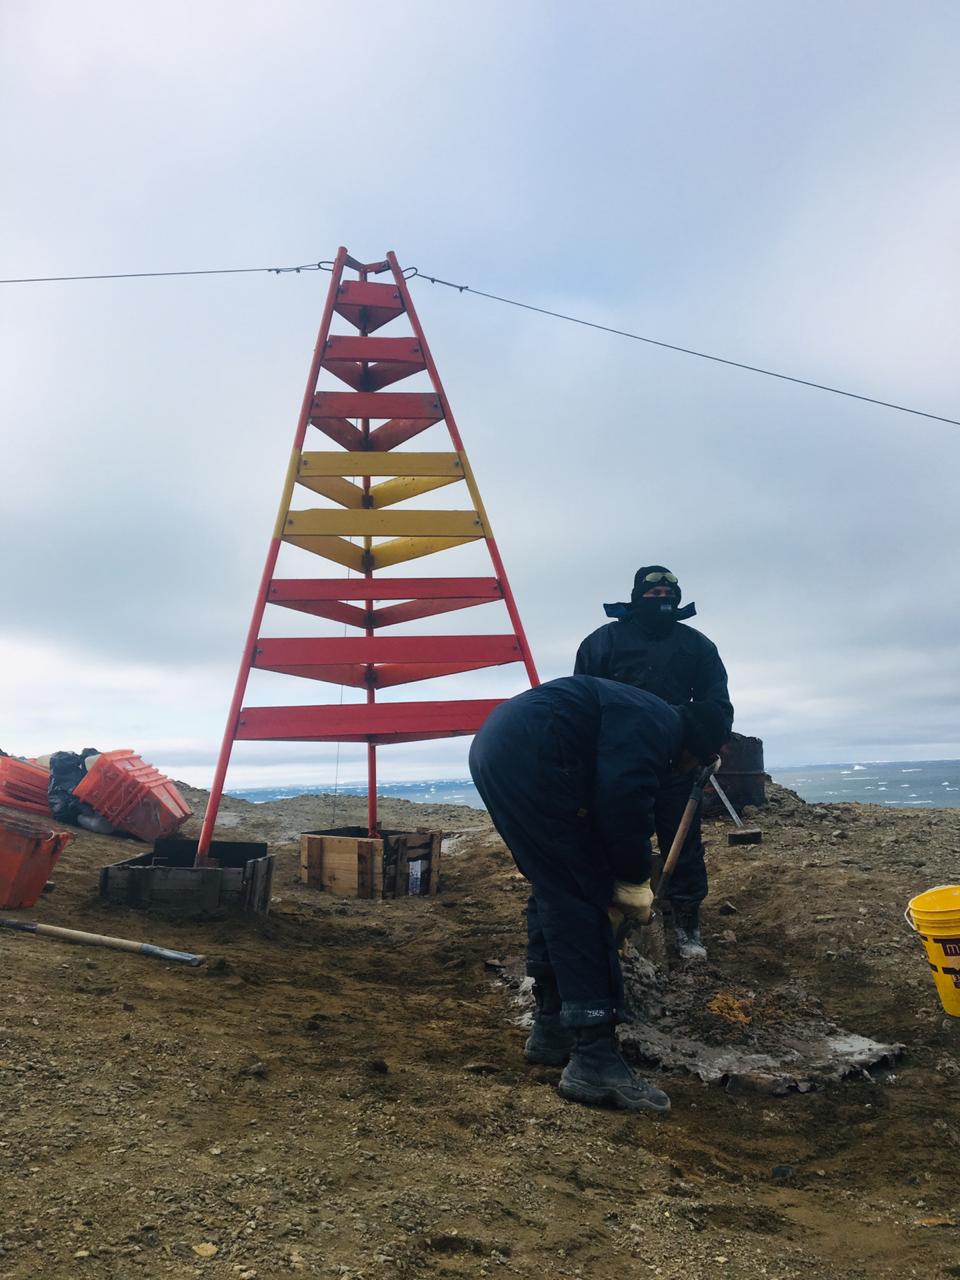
x: 359, y: 722
x: 331, y: 609
x: 273, y: 652
x: 396, y: 432
x: 257, y: 875
x: 365, y: 869
x: 340, y: 876
x: 373, y: 463
x: 411, y: 610
x: 434, y: 883
x: 349, y: 346
x: 402, y: 887
x: 478, y: 589
x: 367, y: 304
x: 423, y: 405
x: 400, y: 550
x: 350, y: 865
x: 335, y: 488
x: 389, y: 674
x: 311, y: 860
x: 368, y: 293
x: 343, y: 432
x: 384, y: 374
x: 404, y: 487
x: 339, y: 550
x: 319, y: 522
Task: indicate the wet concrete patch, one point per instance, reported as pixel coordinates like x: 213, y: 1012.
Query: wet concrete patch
x: 690, y: 1019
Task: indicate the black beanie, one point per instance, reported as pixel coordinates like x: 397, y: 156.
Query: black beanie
x: 704, y: 729
x: 639, y: 586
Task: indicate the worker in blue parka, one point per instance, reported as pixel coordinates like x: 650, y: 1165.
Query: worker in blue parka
x: 569, y: 773
x: 649, y: 646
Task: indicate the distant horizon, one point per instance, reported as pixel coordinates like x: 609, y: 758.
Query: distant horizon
x: 456, y: 778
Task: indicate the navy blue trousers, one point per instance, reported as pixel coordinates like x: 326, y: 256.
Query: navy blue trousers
x: 538, y: 798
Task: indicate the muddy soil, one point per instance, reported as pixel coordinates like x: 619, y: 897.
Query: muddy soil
x: 339, y: 1091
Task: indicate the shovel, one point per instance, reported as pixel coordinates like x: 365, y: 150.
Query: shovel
x: 743, y: 834
x: 625, y: 929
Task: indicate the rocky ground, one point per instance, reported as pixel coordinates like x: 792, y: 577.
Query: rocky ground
x: 339, y: 1092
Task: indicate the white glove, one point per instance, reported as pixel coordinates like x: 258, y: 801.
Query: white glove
x: 634, y: 900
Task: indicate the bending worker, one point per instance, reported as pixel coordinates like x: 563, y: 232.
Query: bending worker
x: 647, y: 646
x: 569, y: 773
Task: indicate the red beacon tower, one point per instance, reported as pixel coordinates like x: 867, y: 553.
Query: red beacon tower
x: 365, y: 528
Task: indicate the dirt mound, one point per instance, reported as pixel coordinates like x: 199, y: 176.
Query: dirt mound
x: 339, y: 1092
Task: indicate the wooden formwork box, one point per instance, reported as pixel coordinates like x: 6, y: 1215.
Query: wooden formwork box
x: 348, y: 862
x: 166, y: 879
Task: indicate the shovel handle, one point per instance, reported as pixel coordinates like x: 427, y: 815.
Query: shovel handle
x: 693, y: 804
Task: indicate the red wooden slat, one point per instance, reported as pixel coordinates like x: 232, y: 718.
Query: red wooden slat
x: 396, y: 431
x: 332, y: 609
x: 384, y: 373
x: 411, y: 610
x: 371, y: 378
x: 318, y: 651
x: 367, y: 305
x: 389, y: 674
x: 348, y: 371
x: 342, y: 431
x: 368, y: 364
x: 363, y: 722
x: 282, y: 590
x: 366, y: 293
x: 376, y: 404
x: 351, y: 347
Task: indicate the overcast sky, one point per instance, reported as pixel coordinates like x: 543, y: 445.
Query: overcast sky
x: 778, y: 183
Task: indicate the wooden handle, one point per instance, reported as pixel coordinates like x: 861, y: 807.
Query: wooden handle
x: 693, y: 804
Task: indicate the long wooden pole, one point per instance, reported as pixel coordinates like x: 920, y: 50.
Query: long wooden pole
x: 102, y: 940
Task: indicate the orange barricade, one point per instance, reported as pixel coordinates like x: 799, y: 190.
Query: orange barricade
x: 23, y: 785
x: 134, y: 796
x: 28, y: 852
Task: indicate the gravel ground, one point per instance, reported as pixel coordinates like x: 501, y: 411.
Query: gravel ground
x: 339, y: 1091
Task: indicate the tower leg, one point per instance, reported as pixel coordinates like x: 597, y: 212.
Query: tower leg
x: 372, y: 827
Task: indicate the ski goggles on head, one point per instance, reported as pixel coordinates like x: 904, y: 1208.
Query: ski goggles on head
x: 654, y: 578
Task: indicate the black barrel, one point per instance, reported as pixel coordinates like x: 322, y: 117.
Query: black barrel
x: 740, y: 774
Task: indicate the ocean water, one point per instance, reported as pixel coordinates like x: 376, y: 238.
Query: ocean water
x: 903, y: 784
x: 435, y: 791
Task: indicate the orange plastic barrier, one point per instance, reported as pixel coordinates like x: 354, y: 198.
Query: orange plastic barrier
x: 134, y: 796
x: 23, y: 785
x: 28, y: 853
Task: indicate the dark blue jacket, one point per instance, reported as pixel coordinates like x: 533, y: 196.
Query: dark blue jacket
x: 681, y: 666
x: 604, y: 742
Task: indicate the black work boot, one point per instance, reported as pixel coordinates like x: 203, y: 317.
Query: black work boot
x: 597, y: 1074
x: 686, y: 933
x: 549, y: 1043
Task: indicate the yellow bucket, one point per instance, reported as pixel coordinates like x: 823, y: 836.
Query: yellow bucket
x: 935, y: 916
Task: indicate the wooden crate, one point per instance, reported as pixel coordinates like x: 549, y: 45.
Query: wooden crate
x: 166, y: 881
x: 396, y: 864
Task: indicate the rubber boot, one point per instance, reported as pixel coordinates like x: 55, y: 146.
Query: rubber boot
x: 549, y: 1043
x: 686, y: 934
x: 598, y: 1075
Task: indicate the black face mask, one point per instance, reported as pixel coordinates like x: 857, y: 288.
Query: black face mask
x: 656, y: 614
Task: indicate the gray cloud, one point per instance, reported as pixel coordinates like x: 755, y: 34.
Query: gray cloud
x: 727, y: 180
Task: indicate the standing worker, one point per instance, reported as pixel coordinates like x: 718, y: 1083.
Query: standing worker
x: 569, y: 772
x: 647, y: 647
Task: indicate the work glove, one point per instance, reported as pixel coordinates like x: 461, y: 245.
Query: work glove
x: 634, y: 901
